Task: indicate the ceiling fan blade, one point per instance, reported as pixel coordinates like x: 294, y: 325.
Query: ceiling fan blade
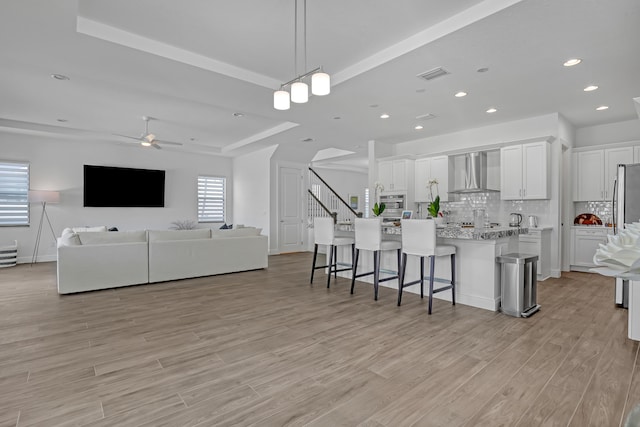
x: 154, y: 144
x: 127, y: 136
x: 167, y: 142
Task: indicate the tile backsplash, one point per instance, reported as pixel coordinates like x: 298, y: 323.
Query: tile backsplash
x: 460, y: 208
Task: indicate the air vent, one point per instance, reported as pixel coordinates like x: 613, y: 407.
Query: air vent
x: 427, y: 116
x: 433, y: 74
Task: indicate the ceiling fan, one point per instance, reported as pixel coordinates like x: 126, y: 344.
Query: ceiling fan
x: 148, y: 139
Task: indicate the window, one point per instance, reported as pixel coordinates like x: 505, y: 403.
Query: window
x: 211, y: 198
x: 14, y: 193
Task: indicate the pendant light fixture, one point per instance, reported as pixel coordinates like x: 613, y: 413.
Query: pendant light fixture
x: 320, y: 81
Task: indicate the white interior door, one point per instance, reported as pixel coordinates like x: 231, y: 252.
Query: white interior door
x: 290, y: 210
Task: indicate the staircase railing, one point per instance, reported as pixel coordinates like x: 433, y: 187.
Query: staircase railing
x: 324, y: 201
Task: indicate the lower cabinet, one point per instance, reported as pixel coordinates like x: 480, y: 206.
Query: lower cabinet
x: 585, y: 241
x: 538, y: 242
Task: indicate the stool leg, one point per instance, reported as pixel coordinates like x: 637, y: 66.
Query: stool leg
x: 313, y: 266
x: 376, y: 273
x: 401, y: 279
x: 355, y: 268
x: 399, y: 263
x: 421, y: 277
x: 330, y: 265
x: 453, y: 279
x: 335, y: 262
x: 432, y: 260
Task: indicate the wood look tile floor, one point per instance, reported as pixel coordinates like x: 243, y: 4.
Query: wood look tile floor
x: 264, y: 348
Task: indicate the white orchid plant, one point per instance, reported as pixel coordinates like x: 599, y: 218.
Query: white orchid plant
x: 434, y: 206
x: 378, y: 207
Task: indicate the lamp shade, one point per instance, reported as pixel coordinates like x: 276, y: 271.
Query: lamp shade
x: 320, y: 84
x: 299, y: 92
x: 281, y: 100
x: 40, y: 196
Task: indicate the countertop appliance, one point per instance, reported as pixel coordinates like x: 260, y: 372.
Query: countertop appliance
x: 515, y: 219
x: 533, y: 221
x: 626, y: 209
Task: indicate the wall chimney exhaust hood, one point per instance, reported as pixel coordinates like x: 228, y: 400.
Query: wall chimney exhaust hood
x: 475, y: 176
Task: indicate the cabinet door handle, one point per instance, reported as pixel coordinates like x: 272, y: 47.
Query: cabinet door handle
x: 524, y: 193
x: 520, y: 192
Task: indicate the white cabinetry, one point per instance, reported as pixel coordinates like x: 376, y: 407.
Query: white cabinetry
x: 538, y: 242
x: 585, y: 241
x: 596, y: 172
x: 636, y: 154
x: 432, y: 168
x: 524, y: 171
x: 395, y: 174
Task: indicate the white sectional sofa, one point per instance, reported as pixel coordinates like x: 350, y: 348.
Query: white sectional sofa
x: 91, y: 260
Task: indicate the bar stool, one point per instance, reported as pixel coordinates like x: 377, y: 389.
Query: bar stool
x: 419, y: 239
x: 324, y: 234
x: 369, y: 238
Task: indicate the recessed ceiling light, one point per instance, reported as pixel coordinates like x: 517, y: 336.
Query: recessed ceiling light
x: 602, y: 107
x: 374, y: 105
x: 460, y: 94
x: 62, y: 120
x: 482, y: 70
x: 337, y: 118
x: 238, y: 114
x: 421, y: 90
x: 307, y: 140
x: 418, y: 127
x: 491, y: 110
x: 384, y: 116
x: 571, y: 62
x: 192, y: 139
x: 590, y: 88
x: 60, y: 77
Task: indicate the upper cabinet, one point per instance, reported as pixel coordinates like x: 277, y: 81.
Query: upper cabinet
x: 394, y: 175
x: 428, y: 169
x: 596, y: 172
x: 524, y: 171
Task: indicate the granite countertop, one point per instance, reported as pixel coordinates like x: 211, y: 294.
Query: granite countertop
x: 468, y: 233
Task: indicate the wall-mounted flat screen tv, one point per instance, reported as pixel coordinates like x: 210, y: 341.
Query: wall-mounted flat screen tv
x: 108, y: 186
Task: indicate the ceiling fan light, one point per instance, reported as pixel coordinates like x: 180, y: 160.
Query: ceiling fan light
x: 320, y: 84
x: 299, y: 92
x: 150, y: 137
x: 281, y: 100
x: 145, y: 143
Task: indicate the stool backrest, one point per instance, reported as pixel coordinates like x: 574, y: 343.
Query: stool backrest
x: 323, y: 230
x: 368, y: 233
x: 419, y: 236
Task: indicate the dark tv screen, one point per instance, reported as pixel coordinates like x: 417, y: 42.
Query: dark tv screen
x: 108, y: 186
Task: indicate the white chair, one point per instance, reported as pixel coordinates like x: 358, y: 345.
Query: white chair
x: 324, y: 234
x: 369, y: 238
x: 419, y: 239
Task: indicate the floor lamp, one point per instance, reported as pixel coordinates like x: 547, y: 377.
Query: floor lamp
x: 44, y: 197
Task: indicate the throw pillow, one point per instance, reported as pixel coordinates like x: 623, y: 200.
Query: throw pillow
x: 226, y: 227
x: 82, y: 229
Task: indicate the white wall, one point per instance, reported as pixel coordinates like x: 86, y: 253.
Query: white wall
x: 252, y: 189
x: 487, y: 136
x: 56, y: 164
x: 609, y: 133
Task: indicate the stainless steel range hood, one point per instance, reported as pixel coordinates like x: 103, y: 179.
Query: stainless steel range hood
x: 475, y: 177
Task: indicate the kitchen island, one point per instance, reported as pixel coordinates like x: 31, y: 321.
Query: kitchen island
x: 477, y: 272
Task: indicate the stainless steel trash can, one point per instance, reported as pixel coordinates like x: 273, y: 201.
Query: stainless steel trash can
x: 518, y: 284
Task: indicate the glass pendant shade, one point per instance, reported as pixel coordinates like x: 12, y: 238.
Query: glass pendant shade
x: 145, y: 143
x: 299, y: 92
x: 281, y: 100
x: 320, y: 84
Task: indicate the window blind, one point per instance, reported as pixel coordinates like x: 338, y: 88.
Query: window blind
x: 14, y: 193
x: 211, y: 199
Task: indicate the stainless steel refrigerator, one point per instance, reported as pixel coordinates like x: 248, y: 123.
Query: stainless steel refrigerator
x: 626, y: 209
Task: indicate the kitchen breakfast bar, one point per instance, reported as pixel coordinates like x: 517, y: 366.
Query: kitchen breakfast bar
x: 477, y: 272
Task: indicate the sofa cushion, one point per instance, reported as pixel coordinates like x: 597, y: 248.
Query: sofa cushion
x: 79, y: 229
x: 109, y: 237
x: 162, y: 235
x: 69, y: 238
x: 237, y: 232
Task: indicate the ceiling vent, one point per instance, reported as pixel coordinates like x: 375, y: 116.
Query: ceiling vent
x: 433, y: 74
x: 427, y: 116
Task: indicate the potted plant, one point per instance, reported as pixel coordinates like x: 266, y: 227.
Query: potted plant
x: 434, y: 205
x: 378, y: 207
